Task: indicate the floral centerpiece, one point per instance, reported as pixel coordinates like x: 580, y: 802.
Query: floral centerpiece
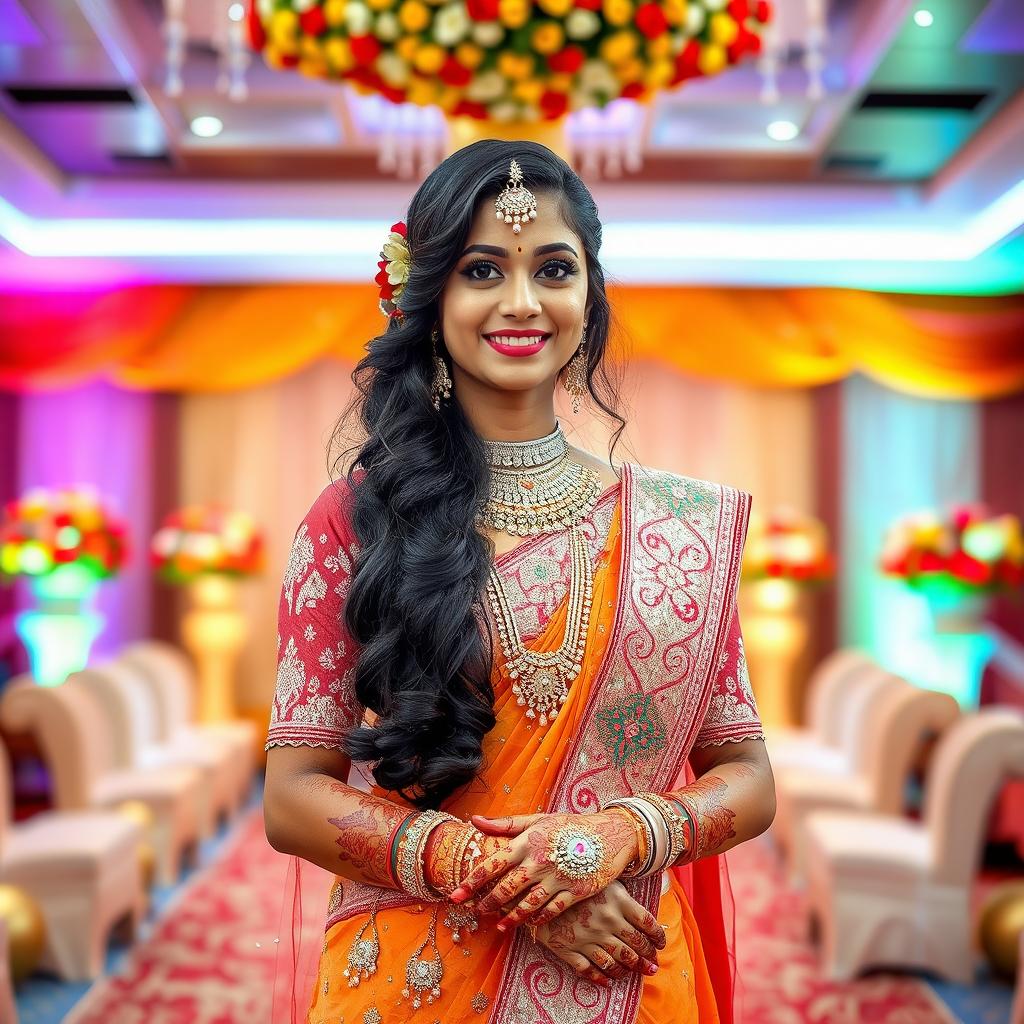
x: 201, y: 539
x: 64, y: 542
x: 787, y: 546
x: 967, y: 551
x: 508, y: 60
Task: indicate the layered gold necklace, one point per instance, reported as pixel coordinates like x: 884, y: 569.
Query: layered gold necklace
x: 537, y: 489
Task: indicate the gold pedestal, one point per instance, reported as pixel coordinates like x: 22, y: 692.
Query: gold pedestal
x: 775, y: 634
x: 465, y: 130
x: 214, y: 631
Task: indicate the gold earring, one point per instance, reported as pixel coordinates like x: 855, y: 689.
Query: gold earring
x: 575, y: 380
x: 441, y: 386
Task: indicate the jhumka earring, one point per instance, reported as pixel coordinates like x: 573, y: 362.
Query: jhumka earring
x: 441, y: 386
x: 575, y: 380
x: 516, y: 205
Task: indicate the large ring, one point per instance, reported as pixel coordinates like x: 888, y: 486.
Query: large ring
x: 576, y: 852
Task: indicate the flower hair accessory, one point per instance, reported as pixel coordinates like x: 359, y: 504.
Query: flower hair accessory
x: 394, y: 270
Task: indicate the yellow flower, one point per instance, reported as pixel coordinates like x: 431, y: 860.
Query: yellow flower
x: 515, y: 66
x: 414, y: 16
x: 283, y: 31
x: 334, y: 12
x: 407, y: 46
x: 631, y: 70
x: 396, y: 252
x: 675, y: 11
x: 547, y: 38
x: 618, y: 12
x: 660, y: 47
x: 422, y: 91
x: 469, y: 55
x: 429, y: 59
x: 560, y: 83
x: 339, y: 53
x: 556, y: 8
x: 711, y: 59
x: 380, y: 5
x: 513, y: 13
x: 723, y: 28
x: 658, y: 74
x: 273, y: 56
x: 529, y: 91
x: 618, y: 47
x: 310, y: 48
x: 449, y: 96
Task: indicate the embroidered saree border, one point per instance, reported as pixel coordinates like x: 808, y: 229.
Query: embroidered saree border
x: 683, y: 569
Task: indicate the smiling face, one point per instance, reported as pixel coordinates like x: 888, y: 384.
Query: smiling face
x: 531, y: 283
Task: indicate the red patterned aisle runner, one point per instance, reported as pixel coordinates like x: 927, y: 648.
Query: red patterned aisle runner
x: 202, y: 965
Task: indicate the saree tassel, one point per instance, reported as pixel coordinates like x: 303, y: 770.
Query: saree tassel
x: 363, y: 953
x: 423, y: 975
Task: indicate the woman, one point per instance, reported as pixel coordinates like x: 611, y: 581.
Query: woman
x: 561, y: 729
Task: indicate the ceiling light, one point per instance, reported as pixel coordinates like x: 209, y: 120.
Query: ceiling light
x: 236, y: 12
x: 923, y: 18
x: 206, y: 126
x: 782, y: 131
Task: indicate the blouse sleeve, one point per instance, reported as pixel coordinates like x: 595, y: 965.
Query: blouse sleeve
x: 314, y: 700
x: 732, y: 714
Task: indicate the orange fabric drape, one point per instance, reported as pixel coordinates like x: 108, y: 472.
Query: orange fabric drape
x: 521, y: 766
x: 222, y: 338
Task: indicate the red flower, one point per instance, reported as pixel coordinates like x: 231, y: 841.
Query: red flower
x: 257, y: 36
x: 468, y: 108
x: 568, y: 60
x: 930, y: 561
x: 686, y: 62
x: 399, y: 228
x: 970, y: 569
x: 290, y: 60
x: 553, y: 104
x: 589, y: 5
x: 482, y: 10
x: 454, y: 73
x: 739, y: 9
x: 650, y: 19
x: 313, y: 22
x: 633, y: 90
x: 763, y: 11
x: 365, y: 49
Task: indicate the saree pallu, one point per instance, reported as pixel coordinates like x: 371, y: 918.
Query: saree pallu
x: 663, y: 596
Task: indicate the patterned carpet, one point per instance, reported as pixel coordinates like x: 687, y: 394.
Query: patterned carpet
x: 210, y: 959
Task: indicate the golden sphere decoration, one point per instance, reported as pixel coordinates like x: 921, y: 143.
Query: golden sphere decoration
x: 26, y: 931
x: 1000, y: 926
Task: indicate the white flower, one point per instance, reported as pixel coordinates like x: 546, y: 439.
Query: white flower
x: 395, y: 71
x: 358, y: 18
x: 301, y: 6
x: 582, y: 24
x: 486, y: 87
x: 488, y: 33
x: 504, y: 110
x: 451, y: 24
x: 265, y: 8
x: 387, y: 28
x: 579, y: 99
x: 310, y: 633
x: 596, y: 75
x: 695, y: 18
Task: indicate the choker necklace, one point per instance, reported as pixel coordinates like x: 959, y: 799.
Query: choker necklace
x: 535, y: 487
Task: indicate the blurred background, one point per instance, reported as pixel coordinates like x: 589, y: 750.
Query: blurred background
x: 813, y: 242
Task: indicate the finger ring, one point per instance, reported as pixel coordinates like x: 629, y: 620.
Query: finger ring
x: 576, y: 851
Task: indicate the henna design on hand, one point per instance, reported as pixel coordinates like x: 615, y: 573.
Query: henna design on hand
x: 363, y: 832
x: 713, y: 819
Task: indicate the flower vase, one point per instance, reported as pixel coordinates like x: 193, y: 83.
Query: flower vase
x: 59, y: 632
x: 213, y: 631
x: 775, y: 635
x: 960, y: 644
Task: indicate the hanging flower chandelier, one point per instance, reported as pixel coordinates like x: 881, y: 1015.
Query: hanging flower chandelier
x: 508, y: 60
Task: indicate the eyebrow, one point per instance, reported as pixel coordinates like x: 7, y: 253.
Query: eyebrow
x: 497, y: 250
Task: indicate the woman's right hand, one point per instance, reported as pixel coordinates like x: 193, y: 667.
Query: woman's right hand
x: 605, y: 936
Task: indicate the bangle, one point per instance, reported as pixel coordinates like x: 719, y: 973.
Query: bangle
x: 649, y: 825
x: 689, y: 827
x: 674, y: 824
x: 410, y: 853
x: 691, y: 815
x: 394, y: 843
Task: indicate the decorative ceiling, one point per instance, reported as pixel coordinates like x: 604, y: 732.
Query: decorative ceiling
x: 906, y: 173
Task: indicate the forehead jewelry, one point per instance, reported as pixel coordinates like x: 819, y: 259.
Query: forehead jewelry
x: 516, y: 205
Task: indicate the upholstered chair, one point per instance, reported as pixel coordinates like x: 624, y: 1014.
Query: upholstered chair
x: 891, y: 892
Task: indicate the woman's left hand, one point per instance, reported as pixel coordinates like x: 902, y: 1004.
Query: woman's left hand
x: 553, y: 861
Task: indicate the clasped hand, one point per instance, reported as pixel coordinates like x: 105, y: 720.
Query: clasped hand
x: 526, y: 872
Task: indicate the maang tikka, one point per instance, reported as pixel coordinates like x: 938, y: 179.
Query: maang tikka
x: 441, y: 385
x: 516, y: 205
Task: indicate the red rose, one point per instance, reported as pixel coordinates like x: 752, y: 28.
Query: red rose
x: 632, y: 91
x: 650, y: 19
x: 290, y: 60
x: 568, y: 60
x: 257, y: 36
x: 970, y: 569
x: 454, y: 73
x: 739, y: 9
x: 589, y: 5
x: 398, y: 228
x: 313, y: 22
x: 365, y: 49
x: 482, y: 10
x: 467, y: 108
x: 553, y: 104
x: 763, y: 11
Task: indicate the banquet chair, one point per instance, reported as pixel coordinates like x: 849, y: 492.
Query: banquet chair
x: 897, y: 725
x: 837, y: 702
x: 890, y: 892
x: 171, y: 677
x: 131, y: 710
x: 72, y: 731
x: 82, y: 869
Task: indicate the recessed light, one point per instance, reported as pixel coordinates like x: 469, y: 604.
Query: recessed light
x: 923, y: 18
x: 206, y: 126
x: 782, y: 131
x: 236, y: 12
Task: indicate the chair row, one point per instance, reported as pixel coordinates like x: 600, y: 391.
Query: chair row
x: 118, y: 731
x: 888, y: 891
